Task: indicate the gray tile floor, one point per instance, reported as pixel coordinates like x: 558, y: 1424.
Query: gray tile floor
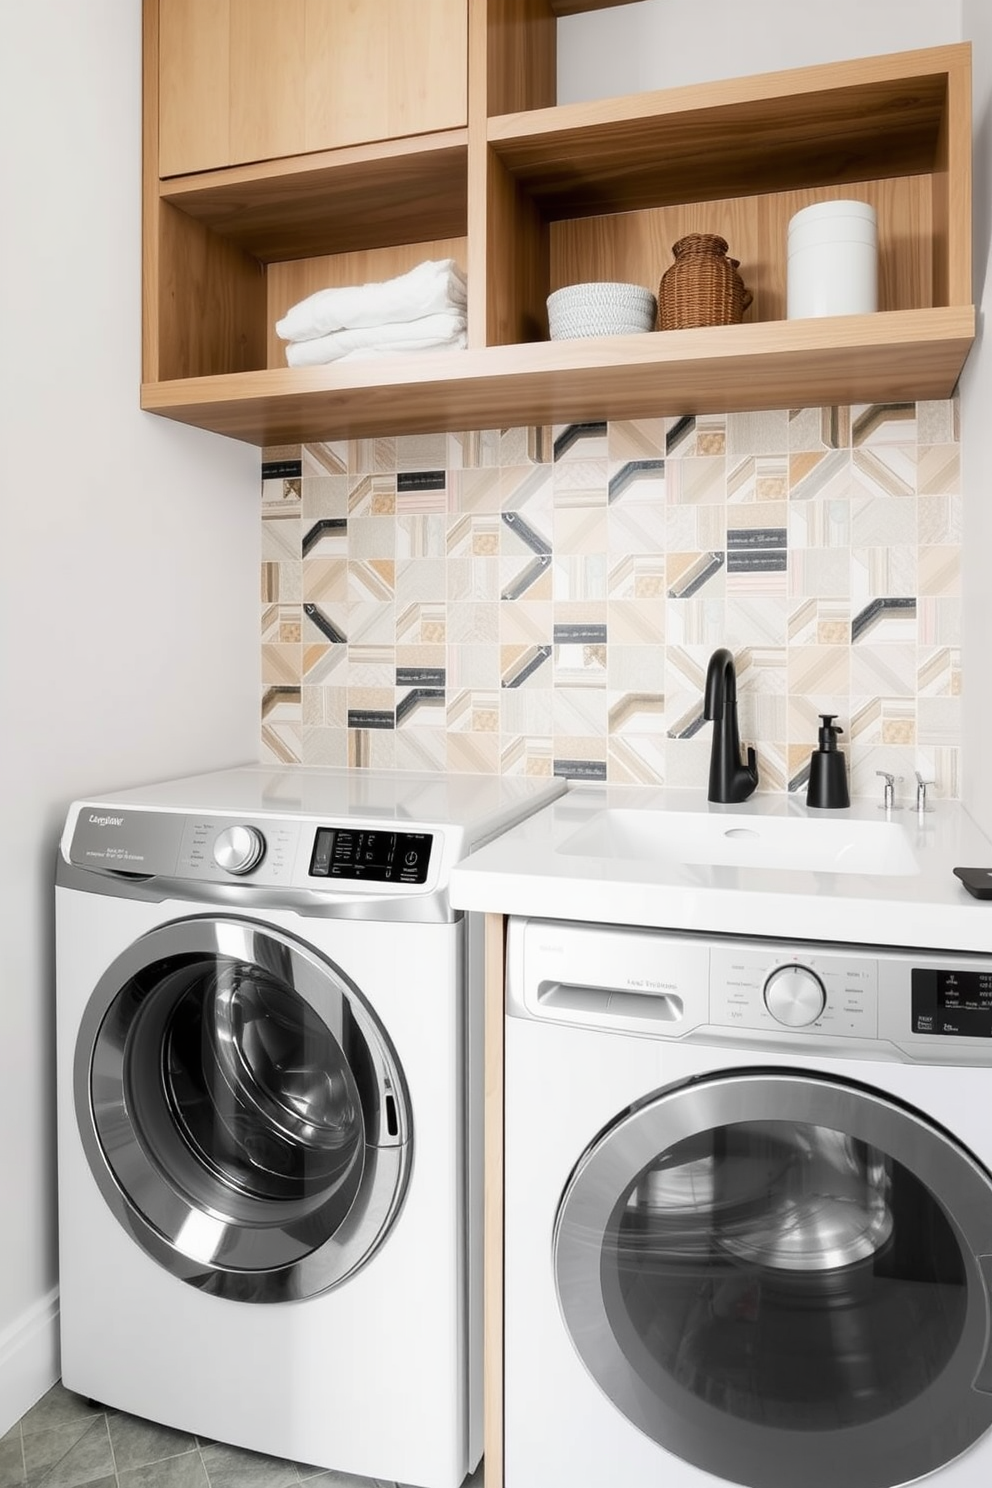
x: 66, y: 1442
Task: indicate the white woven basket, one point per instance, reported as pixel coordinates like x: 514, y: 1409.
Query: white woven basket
x: 600, y: 309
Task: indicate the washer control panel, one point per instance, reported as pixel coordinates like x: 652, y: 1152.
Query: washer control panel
x: 269, y: 852
x: 820, y: 992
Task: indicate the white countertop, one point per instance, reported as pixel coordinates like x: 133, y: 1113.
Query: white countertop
x: 569, y: 862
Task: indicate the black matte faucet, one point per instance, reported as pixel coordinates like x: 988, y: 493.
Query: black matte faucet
x: 730, y: 779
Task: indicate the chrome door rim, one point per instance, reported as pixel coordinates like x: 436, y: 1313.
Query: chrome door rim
x: 883, y: 1453
x: 225, y: 1248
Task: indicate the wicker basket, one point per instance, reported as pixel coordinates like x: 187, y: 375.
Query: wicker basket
x: 702, y: 287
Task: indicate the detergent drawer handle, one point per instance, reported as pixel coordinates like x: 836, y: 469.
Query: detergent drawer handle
x: 608, y: 1003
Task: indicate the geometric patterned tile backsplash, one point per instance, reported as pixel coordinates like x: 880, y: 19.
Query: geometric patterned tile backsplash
x: 545, y: 600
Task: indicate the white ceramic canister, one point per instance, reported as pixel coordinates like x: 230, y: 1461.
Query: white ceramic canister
x: 833, y: 260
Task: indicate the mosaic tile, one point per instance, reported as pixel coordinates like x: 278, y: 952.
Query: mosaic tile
x: 635, y: 713
x: 697, y: 529
x: 579, y: 576
x: 758, y: 479
x: 472, y: 753
x: 937, y: 422
x: 418, y: 535
x: 888, y: 471
x: 938, y: 720
x: 637, y: 481
x: 522, y: 666
x: 417, y: 452
x: 635, y: 622
x: 763, y: 433
x: 636, y: 439
x: 883, y: 423
x: 325, y: 459
x: 425, y: 624
x: 939, y: 520
x: 697, y: 622
x: 820, y: 524
x: 474, y: 712
x: 472, y: 623
x: 281, y: 665
x: 324, y: 498
x: 580, y: 442
x: 420, y: 749
x: 526, y: 622
x: 636, y: 529
x: 940, y: 570
x: 697, y: 479
x: 579, y: 483
x: 819, y: 573
x: 526, y: 756
x: 475, y: 491
x: 371, y: 749
x: 325, y: 580
x: 526, y: 711
x: 327, y: 623
x: 691, y: 573
x: 372, y: 496
x: 636, y: 759
x: 819, y: 428
x: 574, y: 765
x: 420, y: 707
x: 939, y: 469
x: 552, y: 595
x: 938, y: 672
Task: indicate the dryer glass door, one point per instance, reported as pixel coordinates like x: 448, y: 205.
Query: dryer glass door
x: 242, y: 1109
x: 784, y: 1279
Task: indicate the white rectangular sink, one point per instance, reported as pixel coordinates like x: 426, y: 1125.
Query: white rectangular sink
x: 739, y: 840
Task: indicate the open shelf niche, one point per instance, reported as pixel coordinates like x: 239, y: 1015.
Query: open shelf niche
x: 530, y: 196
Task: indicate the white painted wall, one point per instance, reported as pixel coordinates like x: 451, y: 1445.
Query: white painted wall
x: 129, y: 564
x: 976, y: 452
x: 665, y: 43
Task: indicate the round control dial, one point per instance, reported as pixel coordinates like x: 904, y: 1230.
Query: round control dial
x: 238, y: 849
x: 794, y: 996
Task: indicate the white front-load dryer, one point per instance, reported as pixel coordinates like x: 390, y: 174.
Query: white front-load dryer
x: 269, y: 1082
x: 748, y: 1212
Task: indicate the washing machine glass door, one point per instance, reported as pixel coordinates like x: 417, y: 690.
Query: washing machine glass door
x: 242, y: 1109
x: 783, y: 1279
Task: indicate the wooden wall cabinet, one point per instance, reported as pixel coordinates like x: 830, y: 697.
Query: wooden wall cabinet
x: 529, y: 195
x: 250, y: 80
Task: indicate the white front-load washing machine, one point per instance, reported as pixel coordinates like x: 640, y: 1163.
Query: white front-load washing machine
x: 748, y: 1212
x: 269, y: 1124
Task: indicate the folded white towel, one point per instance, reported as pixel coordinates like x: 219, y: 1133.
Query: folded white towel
x: 405, y: 335
x: 433, y: 287
x: 384, y: 348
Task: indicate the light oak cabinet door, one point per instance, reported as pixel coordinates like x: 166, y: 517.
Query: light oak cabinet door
x: 250, y: 80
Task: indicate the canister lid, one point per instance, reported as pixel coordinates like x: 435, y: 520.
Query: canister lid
x: 832, y: 211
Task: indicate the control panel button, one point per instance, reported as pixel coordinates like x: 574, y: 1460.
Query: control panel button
x: 794, y: 996
x: 239, y: 849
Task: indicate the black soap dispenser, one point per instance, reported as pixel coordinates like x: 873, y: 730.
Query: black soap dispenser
x: 828, y: 789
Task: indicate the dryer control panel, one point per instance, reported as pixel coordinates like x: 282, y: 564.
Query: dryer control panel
x: 860, y: 1000
x: 835, y: 993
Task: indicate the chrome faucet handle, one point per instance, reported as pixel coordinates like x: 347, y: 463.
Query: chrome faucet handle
x: 889, y: 793
x: 921, y: 793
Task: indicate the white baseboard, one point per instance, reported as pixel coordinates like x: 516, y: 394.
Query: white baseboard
x: 29, y: 1358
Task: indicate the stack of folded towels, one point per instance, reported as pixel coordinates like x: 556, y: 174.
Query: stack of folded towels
x: 423, y: 310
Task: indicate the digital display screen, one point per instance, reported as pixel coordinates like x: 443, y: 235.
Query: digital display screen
x: 952, y: 1002
x: 371, y: 855
x: 958, y: 990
